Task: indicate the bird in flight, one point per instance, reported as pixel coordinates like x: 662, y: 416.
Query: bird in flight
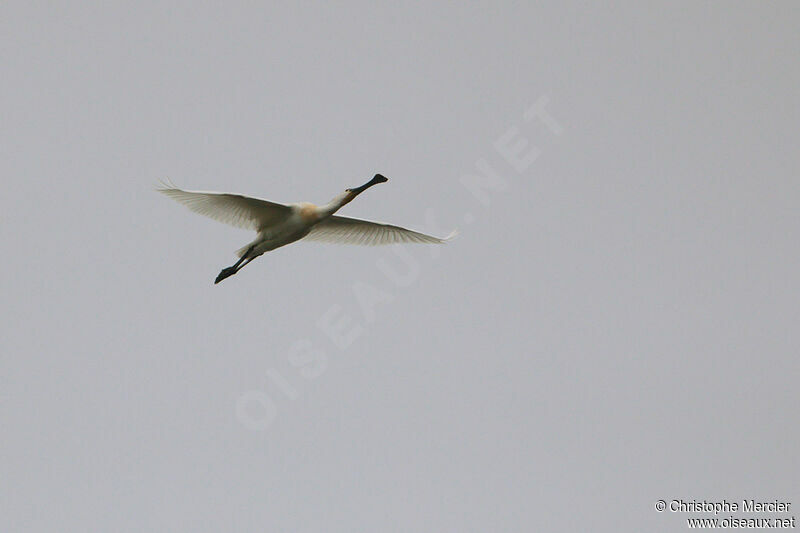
x: 278, y: 224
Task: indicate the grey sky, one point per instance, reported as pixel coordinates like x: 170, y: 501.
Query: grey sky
x: 615, y: 325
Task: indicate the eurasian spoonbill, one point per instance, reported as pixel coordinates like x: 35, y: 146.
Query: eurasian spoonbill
x: 278, y: 224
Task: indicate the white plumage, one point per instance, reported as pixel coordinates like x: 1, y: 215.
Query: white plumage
x: 344, y: 230
x: 234, y: 209
x: 278, y: 224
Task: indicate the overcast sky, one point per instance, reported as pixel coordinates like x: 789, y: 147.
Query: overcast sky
x: 616, y: 323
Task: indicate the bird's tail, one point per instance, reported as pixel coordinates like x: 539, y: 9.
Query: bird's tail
x: 241, y: 251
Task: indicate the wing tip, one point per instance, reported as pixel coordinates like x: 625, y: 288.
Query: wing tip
x: 163, y: 185
x: 453, y: 234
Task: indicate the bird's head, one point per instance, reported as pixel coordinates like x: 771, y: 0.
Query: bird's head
x: 378, y: 178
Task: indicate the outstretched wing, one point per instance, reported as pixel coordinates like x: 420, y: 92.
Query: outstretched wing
x: 234, y: 209
x: 344, y: 230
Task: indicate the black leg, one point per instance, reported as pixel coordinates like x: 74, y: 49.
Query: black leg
x: 225, y: 273
x: 231, y: 270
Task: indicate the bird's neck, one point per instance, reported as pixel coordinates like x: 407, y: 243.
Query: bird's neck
x: 336, y: 204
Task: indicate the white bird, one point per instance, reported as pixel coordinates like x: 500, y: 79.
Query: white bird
x: 278, y: 224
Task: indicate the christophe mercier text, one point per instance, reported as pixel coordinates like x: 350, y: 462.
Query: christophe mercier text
x: 746, y: 506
